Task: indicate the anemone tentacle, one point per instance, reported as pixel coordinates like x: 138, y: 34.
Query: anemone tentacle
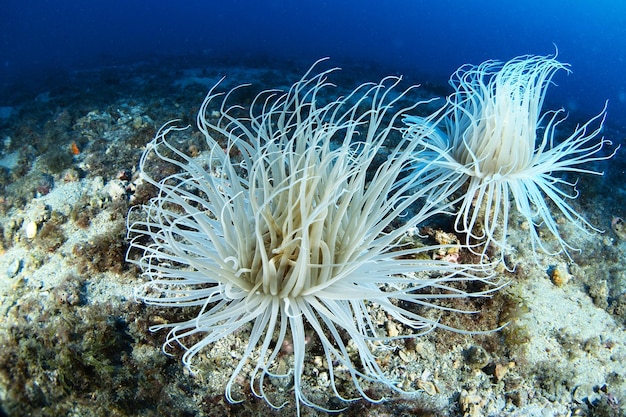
x: 490, y: 149
x: 292, y: 224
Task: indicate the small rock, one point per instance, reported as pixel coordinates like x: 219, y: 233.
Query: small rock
x: 471, y: 403
x: 45, y: 184
x: 618, y: 225
x: 583, y: 393
x: 599, y: 292
x: 477, y: 357
x: 138, y: 123
x: 407, y: 355
x: 392, y: 329
x: 31, y: 230
x: 323, y: 380
x: 14, y: 268
x: 501, y: 370
x: 559, y: 277
x: 116, y: 190
x: 427, y: 386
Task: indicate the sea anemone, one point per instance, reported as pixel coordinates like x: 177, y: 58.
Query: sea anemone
x: 495, y: 145
x: 293, y: 225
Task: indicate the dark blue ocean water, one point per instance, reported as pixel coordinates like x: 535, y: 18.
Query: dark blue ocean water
x: 425, y: 40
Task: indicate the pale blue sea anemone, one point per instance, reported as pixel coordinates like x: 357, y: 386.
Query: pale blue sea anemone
x: 495, y: 146
x: 294, y: 223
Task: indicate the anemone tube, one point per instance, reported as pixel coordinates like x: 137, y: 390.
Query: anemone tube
x: 291, y: 225
x: 494, y: 146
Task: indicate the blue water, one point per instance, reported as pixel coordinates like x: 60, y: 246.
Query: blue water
x: 425, y: 40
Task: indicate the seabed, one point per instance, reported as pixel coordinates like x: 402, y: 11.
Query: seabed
x: 73, y: 342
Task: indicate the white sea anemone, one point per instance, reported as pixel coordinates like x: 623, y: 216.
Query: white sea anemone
x: 495, y: 145
x: 294, y: 223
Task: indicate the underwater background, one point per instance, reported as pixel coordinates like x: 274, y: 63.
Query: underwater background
x: 85, y: 85
x: 425, y: 40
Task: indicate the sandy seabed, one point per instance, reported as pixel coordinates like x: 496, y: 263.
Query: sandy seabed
x: 74, y: 342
